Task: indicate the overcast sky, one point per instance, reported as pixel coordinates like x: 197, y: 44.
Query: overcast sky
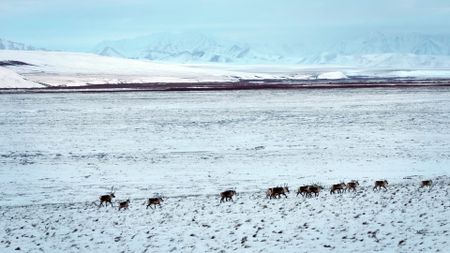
x: 80, y: 24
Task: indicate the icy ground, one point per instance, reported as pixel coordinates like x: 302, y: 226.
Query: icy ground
x: 59, y: 152
x: 401, y: 219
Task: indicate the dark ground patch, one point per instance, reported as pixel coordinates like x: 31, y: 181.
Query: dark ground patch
x: 14, y: 63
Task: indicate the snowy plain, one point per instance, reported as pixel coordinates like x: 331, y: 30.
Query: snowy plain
x: 70, y: 69
x: 59, y: 152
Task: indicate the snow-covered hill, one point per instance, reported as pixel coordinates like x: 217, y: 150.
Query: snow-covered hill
x: 10, y: 79
x: 375, y: 50
x: 79, y: 69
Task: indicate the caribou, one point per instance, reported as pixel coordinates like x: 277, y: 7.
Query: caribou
x: 380, y: 184
x: 314, y: 189
x: 274, y: 192
x: 107, y: 198
x: 308, y: 190
x: 153, y: 201
x: 426, y: 183
x: 277, y: 191
x: 337, y: 188
x: 303, y: 190
x: 227, y: 195
x: 352, y: 185
x: 124, y: 205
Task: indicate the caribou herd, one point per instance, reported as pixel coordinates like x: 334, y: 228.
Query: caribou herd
x: 307, y: 191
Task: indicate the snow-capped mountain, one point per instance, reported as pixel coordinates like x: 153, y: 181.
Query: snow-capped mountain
x: 409, y: 50
x: 189, y: 47
x: 109, y: 51
x: 382, y: 43
x: 12, y: 45
x: 376, y: 49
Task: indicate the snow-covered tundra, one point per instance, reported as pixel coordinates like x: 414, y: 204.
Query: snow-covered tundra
x: 401, y: 219
x: 60, y: 152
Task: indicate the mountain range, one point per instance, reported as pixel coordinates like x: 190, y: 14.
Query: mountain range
x: 381, y: 50
x: 12, y: 45
x: 375, y: 49
x: 186, y: 47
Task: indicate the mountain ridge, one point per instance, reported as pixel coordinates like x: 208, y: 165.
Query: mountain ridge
x: 13, y: 45
x: 375, y: 49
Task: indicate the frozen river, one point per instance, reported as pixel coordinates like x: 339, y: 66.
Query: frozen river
x: 66, y: 147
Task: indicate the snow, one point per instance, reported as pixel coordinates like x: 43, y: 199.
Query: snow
x: 77, y: 69
x: 324, y: 134
x: 80, y: 69
x: 383, y: 60
x: 59, y: 152
x: 10, y: 79
x: 402, y: 219
x: 83, y: 63
x: 419, y: 73
x: 332, y: 75
x: 67, y: 149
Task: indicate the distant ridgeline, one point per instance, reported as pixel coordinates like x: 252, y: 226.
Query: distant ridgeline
x: 376, y: 49
x: 12, y: 45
